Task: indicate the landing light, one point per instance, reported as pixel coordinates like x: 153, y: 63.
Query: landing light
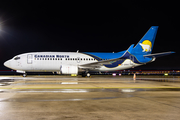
x: 114, y: 74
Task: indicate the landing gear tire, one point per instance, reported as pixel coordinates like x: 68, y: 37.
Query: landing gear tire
x: 86, y: 75
x: 25, y: 74
x: 83, y: 74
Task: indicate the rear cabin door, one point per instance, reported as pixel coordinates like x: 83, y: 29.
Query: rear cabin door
x: 29, y: 59
x: 132, y: 60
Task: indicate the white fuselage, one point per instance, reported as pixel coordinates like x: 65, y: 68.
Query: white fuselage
x: 53, y: 61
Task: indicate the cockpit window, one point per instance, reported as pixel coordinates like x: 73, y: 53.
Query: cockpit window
x: 16, y: 58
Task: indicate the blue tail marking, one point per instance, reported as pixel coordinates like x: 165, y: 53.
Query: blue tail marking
x: 128, y: 52
x: 145, y: 45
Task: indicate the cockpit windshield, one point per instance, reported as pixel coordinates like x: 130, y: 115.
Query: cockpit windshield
x: 16, y: 58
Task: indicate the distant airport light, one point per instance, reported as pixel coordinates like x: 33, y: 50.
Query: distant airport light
x: 165, y: 74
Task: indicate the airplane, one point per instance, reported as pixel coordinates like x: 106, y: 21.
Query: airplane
x: 75, y: 63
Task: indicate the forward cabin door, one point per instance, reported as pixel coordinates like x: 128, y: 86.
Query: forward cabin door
x: 29, y: 59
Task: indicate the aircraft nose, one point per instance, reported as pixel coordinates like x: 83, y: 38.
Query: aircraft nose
x: 7, y: 64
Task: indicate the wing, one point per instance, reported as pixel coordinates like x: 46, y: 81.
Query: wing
x: 98, y: 64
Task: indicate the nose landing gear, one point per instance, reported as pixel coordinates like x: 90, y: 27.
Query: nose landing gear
x: 25, y: 74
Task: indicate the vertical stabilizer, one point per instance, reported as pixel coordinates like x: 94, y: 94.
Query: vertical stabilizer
x: 145, y: 45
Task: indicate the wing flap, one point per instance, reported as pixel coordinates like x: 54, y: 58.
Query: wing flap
x: 99, y: 63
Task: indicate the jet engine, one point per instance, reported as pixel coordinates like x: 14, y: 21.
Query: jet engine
x: 68, y: 69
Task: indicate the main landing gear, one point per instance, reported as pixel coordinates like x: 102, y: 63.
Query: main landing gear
x: 86, y: 74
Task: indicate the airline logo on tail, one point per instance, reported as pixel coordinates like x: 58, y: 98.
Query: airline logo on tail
x: 146, y: 46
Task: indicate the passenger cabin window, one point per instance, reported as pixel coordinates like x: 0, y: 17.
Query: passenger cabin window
x: 16, y: 58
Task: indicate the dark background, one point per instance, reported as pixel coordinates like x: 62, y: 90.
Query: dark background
x: 88, y: 26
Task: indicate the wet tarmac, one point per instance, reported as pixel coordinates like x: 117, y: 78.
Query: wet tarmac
x: 98, y: 97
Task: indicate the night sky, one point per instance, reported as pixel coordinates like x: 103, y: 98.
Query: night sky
x: 88, y: 26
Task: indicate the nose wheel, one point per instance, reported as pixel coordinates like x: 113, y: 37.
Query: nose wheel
x: 25, y: 74
x: 88, y: 75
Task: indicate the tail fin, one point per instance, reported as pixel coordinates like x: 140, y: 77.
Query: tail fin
x: 145, y: 45
x: 128, y: 52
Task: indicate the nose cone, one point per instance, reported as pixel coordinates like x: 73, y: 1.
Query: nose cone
x: 7, y: 64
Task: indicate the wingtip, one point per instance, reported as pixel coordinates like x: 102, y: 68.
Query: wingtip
x: 154, y: 26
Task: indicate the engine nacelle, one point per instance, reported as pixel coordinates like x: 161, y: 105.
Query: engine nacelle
x: 68, y: 69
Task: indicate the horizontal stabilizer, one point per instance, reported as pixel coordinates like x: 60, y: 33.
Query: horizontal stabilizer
x: 158, y: 54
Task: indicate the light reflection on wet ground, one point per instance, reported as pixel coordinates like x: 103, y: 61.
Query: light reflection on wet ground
x: 161, y: 80
x: 76, y: 94
x: 73, y: 94
x: 90, y: 98
x: 95, y: 82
